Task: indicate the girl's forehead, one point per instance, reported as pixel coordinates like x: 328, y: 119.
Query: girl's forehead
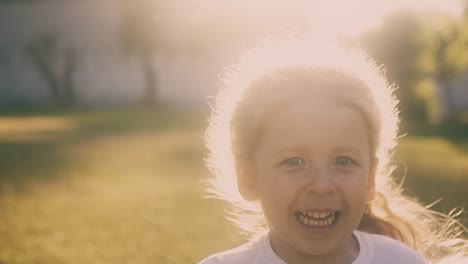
x: 323, y: 126
x: 323, y: 92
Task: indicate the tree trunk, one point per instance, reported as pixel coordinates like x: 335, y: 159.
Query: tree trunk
x: 149, y: 73
x: 44, y: 68
x: 445, y: 81
x: 71, y: 61
x: 446, y: 89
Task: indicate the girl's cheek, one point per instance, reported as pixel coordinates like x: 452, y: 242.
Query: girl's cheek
x: 350, y: 178
x: 291, y: 181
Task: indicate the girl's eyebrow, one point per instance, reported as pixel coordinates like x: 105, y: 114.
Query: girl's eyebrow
x: 295, y: 149
x: 348, y: 149
x: 300, y: 149
x: 288, y: 150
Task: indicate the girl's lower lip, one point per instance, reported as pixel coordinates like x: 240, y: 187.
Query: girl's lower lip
x: 317, y: 229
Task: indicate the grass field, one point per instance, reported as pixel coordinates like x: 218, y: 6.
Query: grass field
x: 123, y: 186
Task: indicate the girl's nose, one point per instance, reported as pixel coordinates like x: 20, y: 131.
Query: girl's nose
x: 320, y: 181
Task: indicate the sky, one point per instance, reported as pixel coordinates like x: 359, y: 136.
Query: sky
x: 343, y: 17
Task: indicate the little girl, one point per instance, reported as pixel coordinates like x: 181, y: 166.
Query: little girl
x: 301, y: 138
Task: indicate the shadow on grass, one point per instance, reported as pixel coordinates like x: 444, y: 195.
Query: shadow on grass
x: 452, y: 192
x: 23, y: 162
x: 445, y: 193
x: 451, y: 189
x: 455, y: 132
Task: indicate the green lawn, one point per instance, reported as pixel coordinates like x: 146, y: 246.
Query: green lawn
x: 437, y: 168
x: 123, y: 186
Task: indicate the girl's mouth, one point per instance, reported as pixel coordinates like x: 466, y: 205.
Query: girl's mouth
x: 318, y: 218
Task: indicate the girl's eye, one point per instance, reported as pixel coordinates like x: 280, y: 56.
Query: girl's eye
x: 343, y: 162
x: 293, y: 162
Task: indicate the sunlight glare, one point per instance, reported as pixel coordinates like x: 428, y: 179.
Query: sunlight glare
x: 351, y: 18
x: 332, y: 17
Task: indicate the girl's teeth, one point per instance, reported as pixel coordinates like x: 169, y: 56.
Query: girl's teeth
x: 318, y: 214
x: 301, y: 217
x: 324, y: 219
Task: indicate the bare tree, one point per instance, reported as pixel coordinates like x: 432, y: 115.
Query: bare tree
x: 56, y: 65
x: 139, y: 39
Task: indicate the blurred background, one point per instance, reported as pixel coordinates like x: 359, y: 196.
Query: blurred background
x: 103, y: 104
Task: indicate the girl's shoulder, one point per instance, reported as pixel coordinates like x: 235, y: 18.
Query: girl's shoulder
x: 382, y: 249
x: 256, y: 251
x: 242, y: 254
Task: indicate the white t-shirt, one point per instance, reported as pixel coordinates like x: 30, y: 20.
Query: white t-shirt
x: 372, y: 249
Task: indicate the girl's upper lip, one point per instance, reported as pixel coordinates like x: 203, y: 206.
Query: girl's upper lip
x: 319, y: 209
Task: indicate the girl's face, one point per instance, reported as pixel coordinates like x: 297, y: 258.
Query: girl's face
x: 313, y: 174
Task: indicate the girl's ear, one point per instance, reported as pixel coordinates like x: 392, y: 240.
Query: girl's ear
x: 371, y: 180
x: 246, y: 182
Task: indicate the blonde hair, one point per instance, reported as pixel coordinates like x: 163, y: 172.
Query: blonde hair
x: 276, y: 71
